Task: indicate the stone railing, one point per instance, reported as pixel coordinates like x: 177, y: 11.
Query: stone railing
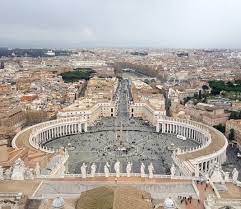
x: 155, y: 176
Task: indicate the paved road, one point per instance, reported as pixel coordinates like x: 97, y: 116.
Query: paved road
x: 232, y: 161
x: 123, y: 100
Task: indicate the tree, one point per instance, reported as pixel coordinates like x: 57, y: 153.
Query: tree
x: 220, y: 127
x: 231, y: 135
x: 235, y: 115
x: 199, y: 95
x: 195, y: 96
x: 204, y: 100
x: 205, y: 87
x: 229, y: 84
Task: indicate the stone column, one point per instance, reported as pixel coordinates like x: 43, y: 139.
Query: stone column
x: 54, y: 132
x: 158, y: 127
x: 197, y: 170
x: 85, y: 126
x: 79, y: 127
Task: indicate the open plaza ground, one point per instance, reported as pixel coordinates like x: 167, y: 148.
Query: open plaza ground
x: 121, y: 138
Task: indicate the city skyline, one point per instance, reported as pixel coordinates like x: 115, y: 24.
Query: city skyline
x: 157, y: 24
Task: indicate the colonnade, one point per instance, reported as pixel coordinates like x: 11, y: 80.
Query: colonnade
x: 62, y: 130
x: 182, y: 129
x: 208, y: 164
x: 203, y: 134
x: 43, y: 134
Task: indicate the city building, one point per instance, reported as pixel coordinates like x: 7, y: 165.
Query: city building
x: 147, y: 102
x: 99, y: 101
x: 207, y: 113
x: 236, y: 126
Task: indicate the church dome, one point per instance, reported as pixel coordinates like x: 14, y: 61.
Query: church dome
x: 58, y: 202
x: 168, y: 203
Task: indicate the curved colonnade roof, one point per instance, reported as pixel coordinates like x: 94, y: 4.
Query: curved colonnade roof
x: 218, y: 141
x: 23, y: 139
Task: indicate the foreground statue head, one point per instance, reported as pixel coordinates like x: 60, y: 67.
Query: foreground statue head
x: 128, y: 169
x: 216, y: 174
x: 142, y: 170
x: 37, y: 169
x: 235, y: 175
x: 83, y: 170
x: 93, y: 169
x: 151, y: 170
x: 173, y: 170
x: 18, y: 170
x: 107, y: 169
x: 117, y: 168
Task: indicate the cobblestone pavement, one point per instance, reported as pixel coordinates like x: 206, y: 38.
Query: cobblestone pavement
x: 122, y: 138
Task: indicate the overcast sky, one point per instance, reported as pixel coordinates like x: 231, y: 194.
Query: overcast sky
x: 117, y: 23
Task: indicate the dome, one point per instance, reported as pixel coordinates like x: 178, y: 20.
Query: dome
x: 58, y: 202
x: 168, y: 203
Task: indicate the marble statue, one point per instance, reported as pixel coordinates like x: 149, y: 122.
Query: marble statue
x: 217, y: 175
x: 142, y: 170
x: 29, y: 174
x: 37, y: 169
x: 196, y: 171
x: 83, y: 170
x: 117, y: 168
x: 1, y: 173
x: 107, y: 169
x: 151, y: 170
x: 18, y: 170
x: 62, y: 171
x: 226, y: 177
x: 93, y: 170
x: 235, y: 175
x: 128, y: 169
x: 173, y: 170
x: 8, y: 174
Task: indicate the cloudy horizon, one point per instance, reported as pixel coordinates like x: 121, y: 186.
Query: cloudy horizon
x: 125, y: 23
